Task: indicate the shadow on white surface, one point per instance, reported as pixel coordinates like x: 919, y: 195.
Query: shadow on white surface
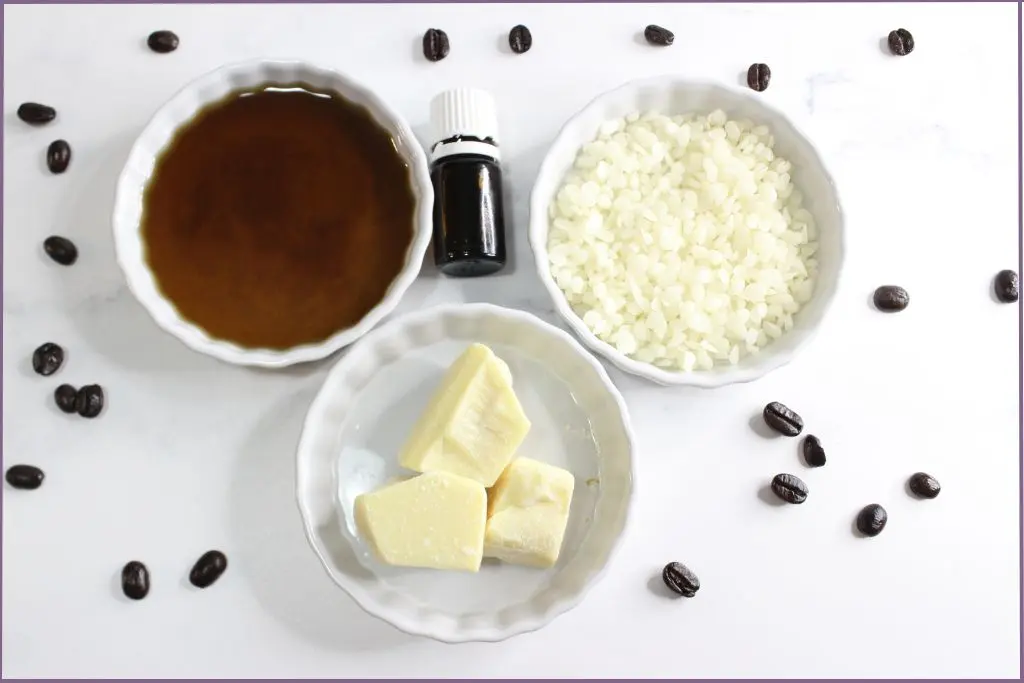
x: 273, y: 556
x: 110, y: 319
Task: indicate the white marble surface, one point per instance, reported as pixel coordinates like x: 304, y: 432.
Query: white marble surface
x: 192, y: 454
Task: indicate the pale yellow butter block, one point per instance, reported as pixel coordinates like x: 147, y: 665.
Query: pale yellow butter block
x: 528, y: 510
x: 473, y: 424
x: 435, y: 520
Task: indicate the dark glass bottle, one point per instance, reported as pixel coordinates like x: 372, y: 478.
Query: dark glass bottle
x: 469, y: 219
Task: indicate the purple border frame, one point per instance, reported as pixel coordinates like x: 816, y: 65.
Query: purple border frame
x: 1020, y: 209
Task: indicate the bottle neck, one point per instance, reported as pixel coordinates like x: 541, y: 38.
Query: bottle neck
x: 458, y: 146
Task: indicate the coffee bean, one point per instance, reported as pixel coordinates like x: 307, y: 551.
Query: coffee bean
x: 1007, y: 286
x: 814, y: 454
x: 782, y: 419
x: 135, y: 580
x: 208, y: 569
x: 758, y: 77
x: 789, y: 488
x: 901, y: 42
x: 520, y: 39
x: 47, y: 359
x: 891, y: 298
x: 659, y: 35
x: 36, y: 114
x: 89, y: 400
x: 162, y: 41
x: 435, y: 44
x: 65, y: 396
x: 924, y: 485
x: 61, y: 249
x: 58, y: 156
x: 680, y: 579
x: 871, y: 520
x: 25, y: 477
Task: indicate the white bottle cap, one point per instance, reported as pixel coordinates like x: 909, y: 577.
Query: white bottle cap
x: 464, y: 113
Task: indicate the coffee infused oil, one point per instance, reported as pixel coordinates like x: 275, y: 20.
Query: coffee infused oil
x: 469, y: 222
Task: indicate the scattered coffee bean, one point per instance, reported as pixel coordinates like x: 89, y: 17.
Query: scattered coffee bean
x: 58, y: 156
x: 814, y: 454
x: 162, y: 41
x: 208, y: 569
x: 758, y: 77
x: 924, y: 485
x: 782, y: 419
x: 1007, y: 286
x: 659, y: 35
x: 789, y: 488
x: 36, y: 114
x: 61, y: 249
x: 435, y: 44
x: 520, y: 39
x: 891, y: 298
x: 871, y: 520
x: 25, y: 477
x: 680, y: 579
x: 901, y: 42
x: 66, y: 398
x: 89, y: 400
x: 47, y: 359
x: 135, y: 580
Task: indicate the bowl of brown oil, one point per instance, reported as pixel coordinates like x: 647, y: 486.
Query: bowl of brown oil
x: 271, y: 213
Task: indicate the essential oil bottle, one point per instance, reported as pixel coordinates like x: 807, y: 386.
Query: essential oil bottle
x: 469, y: 221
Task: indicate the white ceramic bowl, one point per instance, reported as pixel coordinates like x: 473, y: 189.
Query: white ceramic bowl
x: 671, y: 95
x: 180, y: 110
x: 363, y: 413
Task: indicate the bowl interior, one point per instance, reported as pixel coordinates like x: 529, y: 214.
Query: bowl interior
x: 365, y: 411
x: 179, y: 110
x: 673, y: 96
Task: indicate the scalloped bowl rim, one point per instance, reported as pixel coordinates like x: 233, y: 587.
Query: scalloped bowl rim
x: 363, y: 598
x: 130, y: 249
x: 757, y: 366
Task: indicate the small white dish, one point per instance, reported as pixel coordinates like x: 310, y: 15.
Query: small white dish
x: 368, y: 405
x: 178, y: 111
x: 672, y: 95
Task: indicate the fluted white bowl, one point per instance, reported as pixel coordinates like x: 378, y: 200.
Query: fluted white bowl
x: 179, y: 111
x: 365, y: 410
x: 672, y: 95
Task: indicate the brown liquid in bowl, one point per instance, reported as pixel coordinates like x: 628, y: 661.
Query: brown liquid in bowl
x: 278, y: 217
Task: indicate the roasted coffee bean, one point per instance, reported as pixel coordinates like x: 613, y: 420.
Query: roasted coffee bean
x: 782, y: 419
x: 25, y: 477
x: 871, y: 520
x: 659, y: 35
x: 891, y: 298
x: 520, y: 39
x: 162, y: 41
x: 36, y: 114
x: 1007, y: 286
x: 61, y: 249
x: 208, y: 569
x: 58, y: 156
x: 924, y: 485
x: 680, y: 579
x: 814, y: 454
x: 47, y: 359
x: 759, y: 76
x: 435, y: 44
x: 89, y: 400
x: 901, y: 42
x: 789, y: 488
x: 66, y: 398
x: 135, y: 580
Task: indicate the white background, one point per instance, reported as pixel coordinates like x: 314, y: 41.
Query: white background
x: 192, y: 454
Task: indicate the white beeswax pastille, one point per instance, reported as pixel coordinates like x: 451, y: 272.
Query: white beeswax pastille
x: 681, y: 241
